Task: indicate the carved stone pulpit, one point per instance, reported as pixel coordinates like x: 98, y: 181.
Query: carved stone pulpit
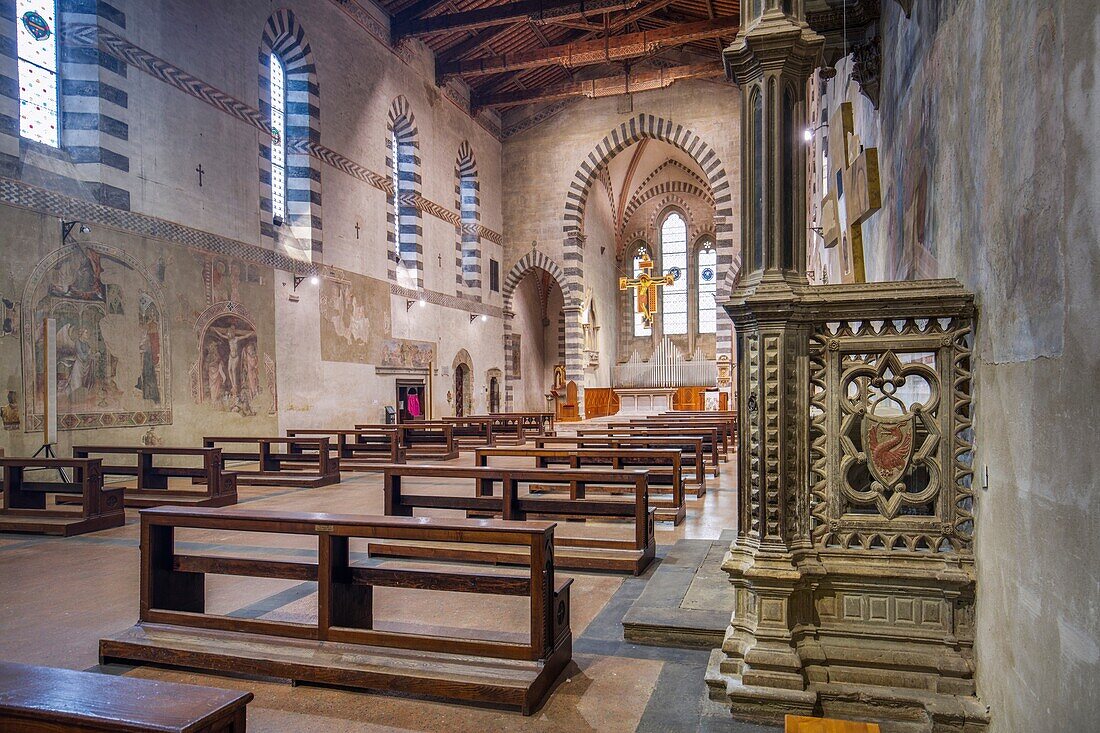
x: 853, y: 562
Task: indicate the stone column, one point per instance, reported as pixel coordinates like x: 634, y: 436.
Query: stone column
x: 771, y: 59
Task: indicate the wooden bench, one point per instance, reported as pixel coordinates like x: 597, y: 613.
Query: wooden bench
x: 680, y: 427
x: 692, y: 455
x: 726, y: 424
x: 357, y: 450
x: 346, y: 646
x: 473, y: 432
x: 434, y: 440
x: 664, y: 466
x: 219, y: 487
x: 497, y: 492
x: 299, y: 468
x: 712, y: 443
x: 47, y: 700
x: 25, y: 509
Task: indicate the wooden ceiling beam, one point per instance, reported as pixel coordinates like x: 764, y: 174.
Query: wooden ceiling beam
x: 536, y: 10
x: 473, y: 44
x: 416, y: 10
x: 607, y: 86
x: 596, y: 51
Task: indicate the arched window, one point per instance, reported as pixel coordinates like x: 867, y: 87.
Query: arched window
x: 395, y: 179
x: 641, y: 254
x: 37, y: 50
x: 403, y: 158
x: 674, y: 310
x: 278, y: 139
x: 707, y: 266
x: 468, y: 202
x: 290, y: 176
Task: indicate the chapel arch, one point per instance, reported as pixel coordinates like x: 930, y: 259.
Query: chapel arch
x: 638, y: 128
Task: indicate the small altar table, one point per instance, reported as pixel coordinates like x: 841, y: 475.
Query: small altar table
x: 644, y: 400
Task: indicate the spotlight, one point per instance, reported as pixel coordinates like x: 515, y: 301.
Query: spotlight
x: 315, y: 280
x: 807, y: 134
x: 484, y: 317
x: 85, y: 229
x: 423, y: 302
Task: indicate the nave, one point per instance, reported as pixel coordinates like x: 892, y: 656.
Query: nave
x: 611, y: 684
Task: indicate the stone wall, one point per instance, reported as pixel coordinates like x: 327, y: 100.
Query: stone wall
x: 200, y: 253
x: 988, y: 175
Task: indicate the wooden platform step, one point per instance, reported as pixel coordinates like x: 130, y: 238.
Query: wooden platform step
x: 509, y: 683
x: 57, y: 525
x: 143, y: 500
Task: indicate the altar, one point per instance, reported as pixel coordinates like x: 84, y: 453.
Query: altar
x: 644, y: 401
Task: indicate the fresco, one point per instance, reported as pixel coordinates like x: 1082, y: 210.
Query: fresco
x: 112, y: 341
x: 406, y: 354
x: 227, y: 373
x: 355, y: 318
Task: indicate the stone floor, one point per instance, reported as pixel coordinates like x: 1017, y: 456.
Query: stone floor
x: 59, y: 596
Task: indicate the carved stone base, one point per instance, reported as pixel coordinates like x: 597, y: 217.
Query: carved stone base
x: 886, y: 637
x: 897, y: 710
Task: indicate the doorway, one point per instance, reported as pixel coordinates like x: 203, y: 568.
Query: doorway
x: 461, y: 372
x: 411, y: 400
x: 494, y: 394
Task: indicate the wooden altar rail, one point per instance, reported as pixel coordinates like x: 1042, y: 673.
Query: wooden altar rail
x: 711, y: 437
x: 25, y: 509
x: 218, y: 486
x: 534, y: 423
x: 693, y: 457
x: 345, y: 646
x: 664, y: 466
x: 434, y: 440
x: 580, y: 553
x: 357, y: 450
x: 301, y: 469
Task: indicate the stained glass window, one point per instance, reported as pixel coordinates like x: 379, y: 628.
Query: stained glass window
x: 278, y: 139
x: 37, y: 48
x: 640, y: 328
x: 674, y: 261
x: 395, y: 172
x: 708, y: 286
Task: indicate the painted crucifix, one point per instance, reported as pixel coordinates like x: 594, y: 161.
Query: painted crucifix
x: 646, y: 287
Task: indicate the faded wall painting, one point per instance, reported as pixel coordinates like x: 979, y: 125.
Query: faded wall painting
x: 227, y: 375
x: 407, y: 354
x: 113, y: 366
x: 355, y: 318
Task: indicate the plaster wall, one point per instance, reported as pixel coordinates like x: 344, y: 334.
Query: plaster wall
x: 171, y: 133
x: 990, y: 177
x: 538, y: 352
x: 602, y: 272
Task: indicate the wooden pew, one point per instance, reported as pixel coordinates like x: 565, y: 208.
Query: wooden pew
x: 712, y: 442
x: 664, y: 466
x: 218, y: 486
x: 530, y: 423
x: 683, y: 425
x: 474, y: 431
x: 725, y: 420
x: 346, y: 646
x: 357, y: 450
x: 434, y: 440
x: 692, y: 455
x: 301, y: 469
x: 24, y: 508
x: 496, y: 492
x: 47, y: 700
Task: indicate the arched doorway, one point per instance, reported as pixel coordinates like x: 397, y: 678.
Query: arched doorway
x: 493, y: 379
x: 462, y: 373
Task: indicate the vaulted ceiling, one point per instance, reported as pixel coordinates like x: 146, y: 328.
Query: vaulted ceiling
x: 525, y: 51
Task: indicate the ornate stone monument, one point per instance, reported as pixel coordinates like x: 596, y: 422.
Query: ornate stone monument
x: 853, y: 561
